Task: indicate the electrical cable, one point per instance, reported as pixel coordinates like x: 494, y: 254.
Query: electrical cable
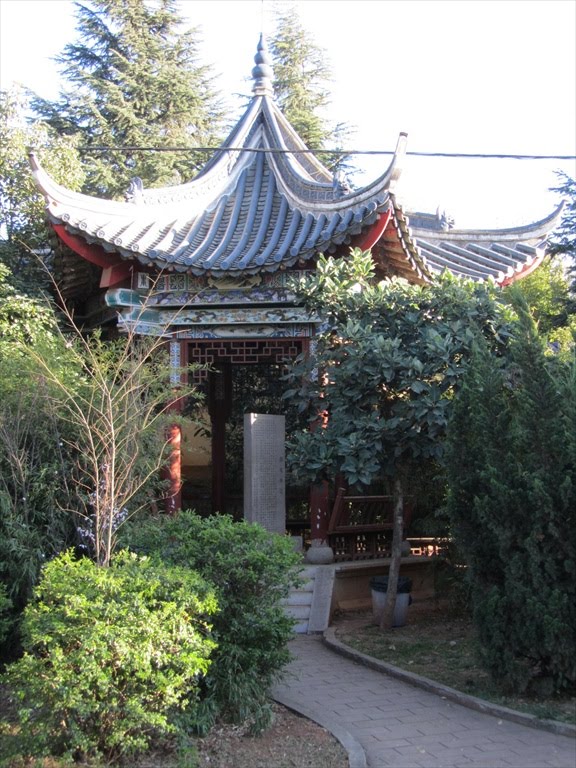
x: 342, y: 152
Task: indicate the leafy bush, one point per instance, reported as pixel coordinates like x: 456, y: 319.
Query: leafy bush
x: 5, y: 620
x: 251, y: 570
x: 111, y: 655
x: 34, y: 461
x: 512, y: 499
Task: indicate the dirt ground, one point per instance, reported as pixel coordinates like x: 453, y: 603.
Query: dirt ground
x: 292, y: 742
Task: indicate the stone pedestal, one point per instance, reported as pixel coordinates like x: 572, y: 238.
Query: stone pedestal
x: 319, y: 553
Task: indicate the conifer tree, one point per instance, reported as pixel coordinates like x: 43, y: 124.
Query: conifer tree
x: 301, y: 79
x: 133, y: 80
x: 511, y: 476
x: 564, y: 238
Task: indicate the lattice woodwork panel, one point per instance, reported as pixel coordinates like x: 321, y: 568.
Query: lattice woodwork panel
x: 241, y: 352
x: 360, y: 546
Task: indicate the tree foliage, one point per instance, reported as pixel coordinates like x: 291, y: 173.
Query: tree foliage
x: 547, y: 295
x: 34, y: 461
x: 390, y: 358
x: 24, y: 231
x: 384, y: 372
x: 511, y: 463
x: 302, y: 76
x: 133, y: 79
x: 564, y: 238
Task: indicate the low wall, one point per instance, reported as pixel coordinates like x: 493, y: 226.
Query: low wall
x: 352, y: 580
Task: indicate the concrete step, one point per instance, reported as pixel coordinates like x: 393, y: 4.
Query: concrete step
x: 306, y: 586
x: 299, y: 602
x: 301, y: 612
x: 310, y: 603
x: 299, y: 598
x: 307, y: 571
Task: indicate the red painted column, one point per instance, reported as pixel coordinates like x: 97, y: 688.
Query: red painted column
x: 172, y: 471
x: 320, y: 551
x: 319, y: 511
x: 319, y: 497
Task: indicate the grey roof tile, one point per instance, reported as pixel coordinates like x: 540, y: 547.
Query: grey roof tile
x: 483, y: 254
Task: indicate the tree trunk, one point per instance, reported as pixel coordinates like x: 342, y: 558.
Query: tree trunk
x: 396, y: 554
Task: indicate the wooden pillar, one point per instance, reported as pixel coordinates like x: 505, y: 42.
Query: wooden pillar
x: 172, y: 471
x: 319, y: 511
x: 320, y: 552
x: 319, y: 496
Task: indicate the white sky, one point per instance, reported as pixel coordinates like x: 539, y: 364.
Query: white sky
x: 469, y: 76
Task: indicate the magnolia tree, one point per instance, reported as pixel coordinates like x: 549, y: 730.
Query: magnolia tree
x: 390, y: 358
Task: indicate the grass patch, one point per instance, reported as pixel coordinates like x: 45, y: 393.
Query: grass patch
x: 443, y: 647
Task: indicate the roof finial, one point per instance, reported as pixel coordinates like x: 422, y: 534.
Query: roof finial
x: 262, y: 72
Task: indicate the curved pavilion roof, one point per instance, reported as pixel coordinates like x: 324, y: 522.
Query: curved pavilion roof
x: 503, y: 255
x: 263, y: 202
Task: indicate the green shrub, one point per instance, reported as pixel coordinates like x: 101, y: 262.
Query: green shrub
x: 35, y: 460
x: 111, y: 655
x: 251, y: 570
x: 512, y: 500
x: 5, y: 619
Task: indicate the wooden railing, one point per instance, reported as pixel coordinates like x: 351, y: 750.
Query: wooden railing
x: 360, y: 527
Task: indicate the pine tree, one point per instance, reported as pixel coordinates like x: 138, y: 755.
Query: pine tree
x: 301, y: 79
x: 564, y: 238
x: 133, y: 80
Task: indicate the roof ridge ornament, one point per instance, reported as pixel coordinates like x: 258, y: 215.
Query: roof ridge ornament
x: 340, y: 183
x: 446, y: 221
x: 262, y: 72
x: 135, y: 192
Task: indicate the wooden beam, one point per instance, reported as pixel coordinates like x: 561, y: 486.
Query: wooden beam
x: 372, y: 235
x: 90, y: 251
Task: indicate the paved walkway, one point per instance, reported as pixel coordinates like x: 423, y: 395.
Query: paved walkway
x: 385, y: 722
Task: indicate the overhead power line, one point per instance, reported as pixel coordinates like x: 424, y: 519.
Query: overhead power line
x: 462, y: 155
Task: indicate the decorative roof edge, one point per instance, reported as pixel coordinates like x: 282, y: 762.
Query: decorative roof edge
x: 540, y: 228
x: 414, y: 255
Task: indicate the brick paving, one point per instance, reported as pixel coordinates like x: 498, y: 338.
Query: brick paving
x: 401, y: 726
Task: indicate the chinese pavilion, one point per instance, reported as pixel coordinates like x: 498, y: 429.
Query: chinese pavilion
x: 207, y: 263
